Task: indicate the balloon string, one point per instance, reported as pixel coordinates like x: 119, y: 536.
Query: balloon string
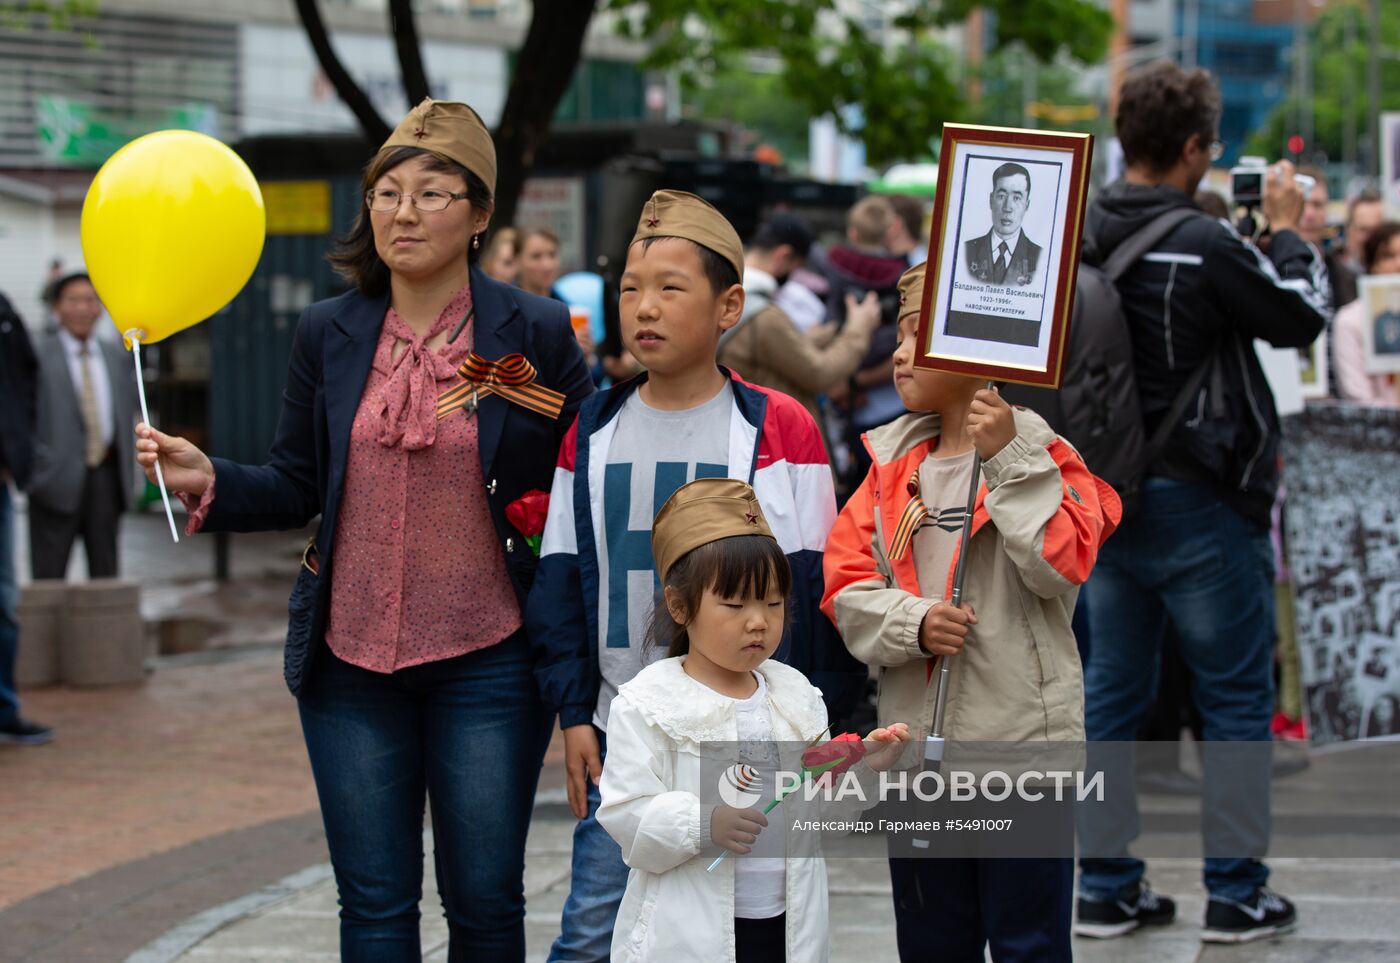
x: 135, y: 338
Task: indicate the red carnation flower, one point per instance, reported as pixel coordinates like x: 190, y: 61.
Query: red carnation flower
x: 528, y: 513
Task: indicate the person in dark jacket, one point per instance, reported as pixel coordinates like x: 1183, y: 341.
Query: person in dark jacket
x: 418, y: 408
x: 863, y: 266
x: 19, y: 373
x: 1197, y: 549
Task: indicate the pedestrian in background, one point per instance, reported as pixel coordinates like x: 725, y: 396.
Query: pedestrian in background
x: 406, y: 647
x: 1365, y: 212
x: 1197, y: 549
x: 1354, y: 383
x: 906, y: 234
x: 766, y: 348
x: 83, y: 451
x: 498, y: 260
x: 537, y: 262
x: 18, y: 377
x: 861, y: 266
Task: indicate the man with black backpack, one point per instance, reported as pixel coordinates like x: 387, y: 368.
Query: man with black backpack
x: 1200, y: 486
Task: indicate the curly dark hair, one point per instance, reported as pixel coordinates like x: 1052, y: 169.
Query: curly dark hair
x: 1378, y: 244
x: 1161, y: 107
x: 355, y: 258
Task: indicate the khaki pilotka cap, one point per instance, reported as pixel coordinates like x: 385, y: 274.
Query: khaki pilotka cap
x: 452, y: 130
x: 678, y: 214
x: 911, y: 291
x: 704, y: 511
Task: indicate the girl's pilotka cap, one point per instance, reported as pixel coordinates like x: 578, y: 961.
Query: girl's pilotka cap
x: 704, y: 511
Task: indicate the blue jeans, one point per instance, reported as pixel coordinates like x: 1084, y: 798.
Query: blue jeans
x: 9, y: 609
x: 469, y: 733
x: 1186, y: 556
x: 599, y: 880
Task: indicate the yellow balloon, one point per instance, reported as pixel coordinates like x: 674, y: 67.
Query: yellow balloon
x: 172, y: 229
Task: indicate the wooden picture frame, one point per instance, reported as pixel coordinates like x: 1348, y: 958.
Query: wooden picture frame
x: 1380, y: 293
x: 1003, y: 314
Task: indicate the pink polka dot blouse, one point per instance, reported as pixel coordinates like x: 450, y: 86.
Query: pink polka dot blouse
x: 418, y: 570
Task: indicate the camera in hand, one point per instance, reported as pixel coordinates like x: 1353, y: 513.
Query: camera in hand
x: 1247, y: 182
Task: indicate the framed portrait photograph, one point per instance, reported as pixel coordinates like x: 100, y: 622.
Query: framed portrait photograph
x: 1380, y: 293
x: 1004, y: 253
x: 1390, y: 163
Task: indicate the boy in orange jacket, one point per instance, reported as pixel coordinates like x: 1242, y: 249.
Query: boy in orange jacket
x: 1015, y: 676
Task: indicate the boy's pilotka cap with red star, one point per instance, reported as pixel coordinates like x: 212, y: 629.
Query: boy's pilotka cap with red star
x: 911, y: 290
x: 704, y: 511
x: 451, y: 130
x: 678, y: 214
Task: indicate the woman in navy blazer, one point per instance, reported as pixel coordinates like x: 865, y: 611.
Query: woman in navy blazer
x: 468, y: 731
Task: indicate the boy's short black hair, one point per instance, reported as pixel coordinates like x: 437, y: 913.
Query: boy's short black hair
x: 720, y: 272
x: 781, y: 229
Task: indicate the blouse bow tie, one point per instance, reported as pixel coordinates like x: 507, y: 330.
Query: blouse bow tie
x: 513, y: 378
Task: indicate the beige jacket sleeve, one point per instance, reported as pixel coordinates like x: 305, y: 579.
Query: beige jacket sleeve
x: 799, y: 359
x: 1046, y: 507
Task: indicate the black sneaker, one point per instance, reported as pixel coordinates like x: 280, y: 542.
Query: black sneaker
x: 1266, y: 913
x: 1105, y: 919
x: 21, y: 732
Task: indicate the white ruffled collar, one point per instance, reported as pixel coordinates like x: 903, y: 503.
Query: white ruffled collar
x: 670, y: 700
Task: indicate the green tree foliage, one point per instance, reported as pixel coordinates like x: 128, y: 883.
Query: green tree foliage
x: 757, y: 100
x: 1057, y: 100
x: 1339, y: 84
x: 55, y: 14
x: 832, y: 60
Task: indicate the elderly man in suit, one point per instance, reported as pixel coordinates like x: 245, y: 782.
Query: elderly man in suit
x: 1004, y: 255
x: 84, y: 451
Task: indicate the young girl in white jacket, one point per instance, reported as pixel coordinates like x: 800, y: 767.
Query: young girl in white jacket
x: 725, y: 581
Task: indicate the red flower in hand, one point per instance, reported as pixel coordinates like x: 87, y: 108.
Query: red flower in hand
x: 528, y: 513
x: 830, y: 759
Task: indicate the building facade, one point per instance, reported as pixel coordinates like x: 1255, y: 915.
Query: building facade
x: 72, y: 92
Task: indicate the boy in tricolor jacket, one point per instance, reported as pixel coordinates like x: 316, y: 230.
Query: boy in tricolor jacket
x: 629, y: 450
x: 1015, y: 676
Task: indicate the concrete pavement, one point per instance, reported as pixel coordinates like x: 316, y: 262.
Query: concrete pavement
x: 1349, y: 911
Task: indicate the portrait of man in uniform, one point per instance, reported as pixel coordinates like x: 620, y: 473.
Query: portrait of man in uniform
x: 1005, y: 255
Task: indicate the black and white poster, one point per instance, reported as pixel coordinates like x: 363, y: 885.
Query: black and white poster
x: 1342, y: 531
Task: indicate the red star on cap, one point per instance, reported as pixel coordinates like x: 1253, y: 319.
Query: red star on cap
x: 902, y: 300
x: 419, y: 132
x: 751, y: 518
x: 653, y: 221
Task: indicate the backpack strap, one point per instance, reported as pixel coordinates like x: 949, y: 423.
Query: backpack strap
x: 1125, y: 255
x: 754, y: 302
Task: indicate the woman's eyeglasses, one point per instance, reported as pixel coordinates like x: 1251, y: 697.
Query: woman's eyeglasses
x: 430, y: 200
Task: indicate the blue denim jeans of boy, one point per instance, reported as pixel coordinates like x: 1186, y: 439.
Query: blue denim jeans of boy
x: 469, y: 734
x: 1187, y: 556
x: 9, y: 609
x: 599, y: 880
